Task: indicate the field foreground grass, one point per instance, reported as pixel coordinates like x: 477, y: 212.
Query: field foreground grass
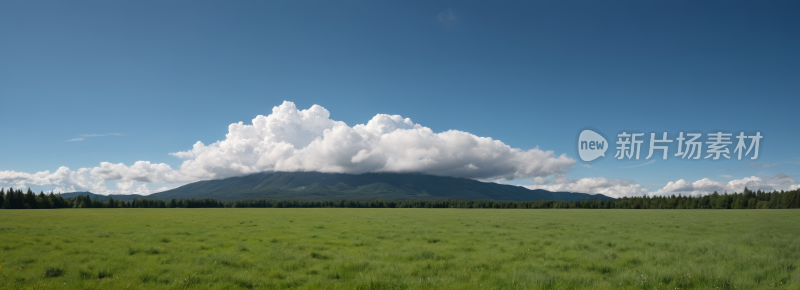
x: 399, y: 249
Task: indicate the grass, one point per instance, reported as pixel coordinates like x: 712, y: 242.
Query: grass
x: 399, y: 249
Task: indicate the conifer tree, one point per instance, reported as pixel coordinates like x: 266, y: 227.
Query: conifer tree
x: 43, y: 201
x: 54, y: 200
x: 11, y: 199
x: 30, y: 199
x: 2, y: 197
x: 63, y: 202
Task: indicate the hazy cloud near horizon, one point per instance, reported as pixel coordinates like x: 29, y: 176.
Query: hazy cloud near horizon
x: 618, y: 188
x: 308, y: 140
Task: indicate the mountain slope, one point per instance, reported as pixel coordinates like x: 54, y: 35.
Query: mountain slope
x: 329, y: 186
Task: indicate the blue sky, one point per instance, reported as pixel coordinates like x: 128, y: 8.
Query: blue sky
x: 154, y: 77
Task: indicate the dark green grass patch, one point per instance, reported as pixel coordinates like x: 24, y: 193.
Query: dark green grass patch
x: 53, y: 271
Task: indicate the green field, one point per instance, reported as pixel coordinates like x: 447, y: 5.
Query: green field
x: 399, y: 249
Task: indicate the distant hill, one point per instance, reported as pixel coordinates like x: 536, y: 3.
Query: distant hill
x: 102, y: 197
x: 368, y: 186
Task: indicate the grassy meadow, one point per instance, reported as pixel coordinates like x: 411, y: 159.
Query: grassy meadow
x: 346, y: 248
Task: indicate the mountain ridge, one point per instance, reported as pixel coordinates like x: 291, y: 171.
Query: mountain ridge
x: 367, y: 186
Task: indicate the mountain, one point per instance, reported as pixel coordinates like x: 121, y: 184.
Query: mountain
x: 102, y: 197
x: 368, y: 186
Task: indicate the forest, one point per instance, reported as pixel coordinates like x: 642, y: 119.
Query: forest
x: 748, y: 199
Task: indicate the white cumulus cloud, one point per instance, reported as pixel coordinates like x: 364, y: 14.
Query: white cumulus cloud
x: 308, y: 140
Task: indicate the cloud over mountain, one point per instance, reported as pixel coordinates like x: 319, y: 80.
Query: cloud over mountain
x: 615, y: 188
x: 308, y: 140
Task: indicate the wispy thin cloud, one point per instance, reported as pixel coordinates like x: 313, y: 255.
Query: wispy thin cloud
x: 100, y: 135
x: 640, y: 164
x: 447, y: 16
x: 760, y: 164
x: 589, y: 166
x: 726, y: 176
x: 84, y: 136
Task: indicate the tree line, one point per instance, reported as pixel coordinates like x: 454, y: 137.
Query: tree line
x: 15, y: 199
x: 748, y: 199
